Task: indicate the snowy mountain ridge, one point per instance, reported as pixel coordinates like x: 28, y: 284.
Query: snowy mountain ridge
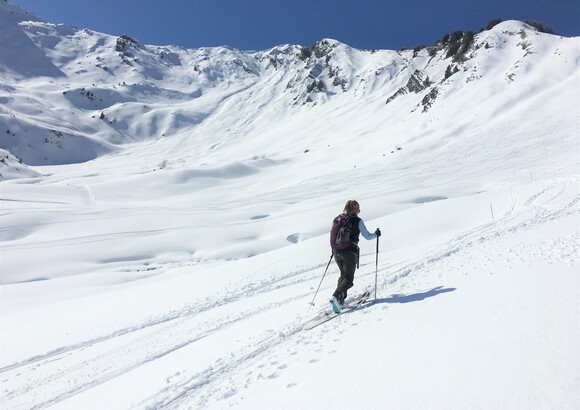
x: 100, y: 85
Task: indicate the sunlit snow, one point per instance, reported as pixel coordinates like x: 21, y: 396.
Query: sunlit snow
x: 165, y: 216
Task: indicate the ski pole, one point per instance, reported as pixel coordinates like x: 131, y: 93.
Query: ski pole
x: 377, y: 268
x: 326, y: 270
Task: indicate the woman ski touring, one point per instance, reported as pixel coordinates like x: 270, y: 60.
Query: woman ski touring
x: 344, y: 237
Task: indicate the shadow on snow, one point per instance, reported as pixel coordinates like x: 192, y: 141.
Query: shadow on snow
x: 415, y: 297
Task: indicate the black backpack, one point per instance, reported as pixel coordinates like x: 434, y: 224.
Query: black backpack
x: 340, y: 233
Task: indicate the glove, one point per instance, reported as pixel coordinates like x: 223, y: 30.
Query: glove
x: 378, y: 232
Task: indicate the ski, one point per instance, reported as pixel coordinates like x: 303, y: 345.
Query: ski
x: 357, y: 300
x: 354, y: 304
x: 362, y: 299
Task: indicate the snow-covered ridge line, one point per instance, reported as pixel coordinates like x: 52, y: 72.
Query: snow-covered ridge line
x: 69, y: 95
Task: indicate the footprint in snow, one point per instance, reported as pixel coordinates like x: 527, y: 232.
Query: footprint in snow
x: 229, y: 393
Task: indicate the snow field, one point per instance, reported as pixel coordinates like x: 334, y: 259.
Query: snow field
x: 165, y: 255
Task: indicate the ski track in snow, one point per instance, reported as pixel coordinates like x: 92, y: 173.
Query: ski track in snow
x: 52, y: 378
x: 509, y: 223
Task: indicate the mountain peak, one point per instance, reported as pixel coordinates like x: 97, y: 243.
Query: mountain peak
x: 516, y: 26
x: 18, y: 53
x: 10, y: 13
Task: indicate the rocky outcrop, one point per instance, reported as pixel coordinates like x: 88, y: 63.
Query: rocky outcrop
x: 416, y: 84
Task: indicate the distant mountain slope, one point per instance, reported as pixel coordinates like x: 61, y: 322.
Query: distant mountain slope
x: 70, y: 95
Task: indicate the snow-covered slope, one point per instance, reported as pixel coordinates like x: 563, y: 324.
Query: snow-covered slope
x: 89, y: 94
x: 165, y: 214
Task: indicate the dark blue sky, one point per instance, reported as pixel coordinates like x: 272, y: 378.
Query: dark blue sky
x: 259, y: 25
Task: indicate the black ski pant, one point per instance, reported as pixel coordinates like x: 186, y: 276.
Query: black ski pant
x: 346, y: 261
